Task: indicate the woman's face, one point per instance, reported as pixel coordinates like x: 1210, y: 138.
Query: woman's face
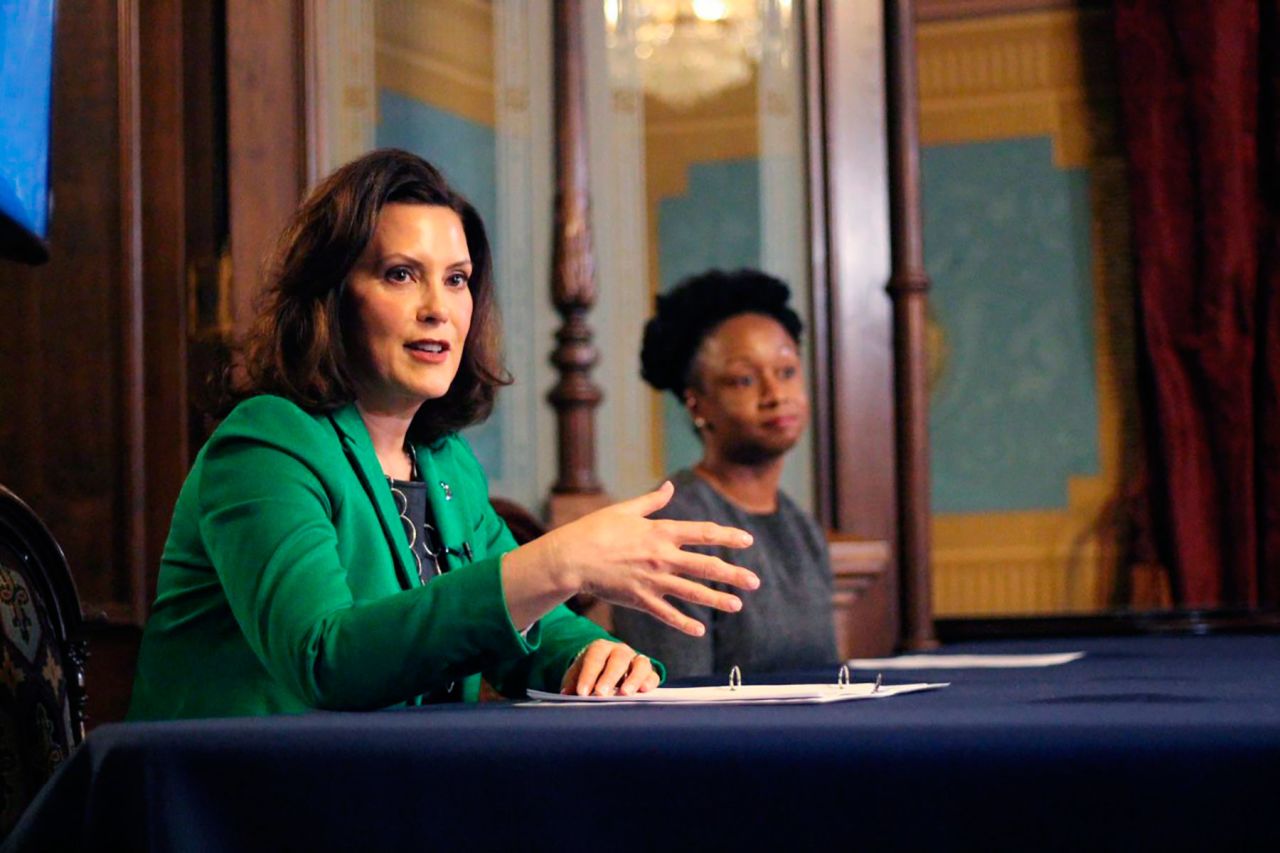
x: 749, y: 388
x: 411, y: 302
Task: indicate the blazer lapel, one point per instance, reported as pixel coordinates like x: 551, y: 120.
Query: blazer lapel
x: 359, y: 451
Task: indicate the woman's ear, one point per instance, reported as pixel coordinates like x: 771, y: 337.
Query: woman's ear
x: 691, y: 406
x: 690, y: 402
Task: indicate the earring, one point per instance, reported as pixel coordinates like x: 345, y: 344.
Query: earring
x: 699, y: 422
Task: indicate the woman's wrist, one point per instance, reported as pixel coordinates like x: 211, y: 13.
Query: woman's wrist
x: 533, y: 583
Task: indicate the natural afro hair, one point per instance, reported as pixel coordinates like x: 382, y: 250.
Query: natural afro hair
x: 688, y: 312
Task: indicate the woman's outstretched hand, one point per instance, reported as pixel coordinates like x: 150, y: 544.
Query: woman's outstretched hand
x: 619, y: 555
x: 606, y: 668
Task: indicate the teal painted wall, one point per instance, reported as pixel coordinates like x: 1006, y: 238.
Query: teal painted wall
x: 466, y: 152
x: 1008, y: 249
x: 715, y: 223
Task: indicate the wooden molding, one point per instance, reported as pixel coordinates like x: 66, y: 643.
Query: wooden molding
x: 862, y: 572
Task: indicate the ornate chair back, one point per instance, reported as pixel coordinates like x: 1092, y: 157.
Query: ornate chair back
x: 525, y: 527
x: 42, y: 657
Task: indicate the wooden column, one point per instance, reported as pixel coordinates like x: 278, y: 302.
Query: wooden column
x: 267, y: 169
x: 909, y: 290
x: 852, y: 318
x: 575, y: 396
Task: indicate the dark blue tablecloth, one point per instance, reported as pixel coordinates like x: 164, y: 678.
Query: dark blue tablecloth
x: 1147, y: 743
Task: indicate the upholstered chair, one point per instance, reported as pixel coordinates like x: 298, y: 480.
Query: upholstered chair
x: 525, y: 527
x: 42, y: 658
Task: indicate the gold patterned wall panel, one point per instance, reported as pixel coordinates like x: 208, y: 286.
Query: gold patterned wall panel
x: 1047, y: 73
x: 1036, y: 75
x: 725, y: 127
x: 439, y: 52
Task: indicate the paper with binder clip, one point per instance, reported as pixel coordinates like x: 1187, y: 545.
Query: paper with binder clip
x: 952, y: 661
x: 743, y: 694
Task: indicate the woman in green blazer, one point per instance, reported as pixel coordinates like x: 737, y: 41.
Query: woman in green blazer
x: 334, y: 546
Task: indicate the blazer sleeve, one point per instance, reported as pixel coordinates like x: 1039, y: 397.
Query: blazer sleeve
x: 561, y: 632
x: 266, y: 521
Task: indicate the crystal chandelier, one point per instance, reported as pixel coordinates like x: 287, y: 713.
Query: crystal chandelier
x: 683, y: 51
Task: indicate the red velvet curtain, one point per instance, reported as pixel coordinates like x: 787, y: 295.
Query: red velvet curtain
x: 1199, y: 91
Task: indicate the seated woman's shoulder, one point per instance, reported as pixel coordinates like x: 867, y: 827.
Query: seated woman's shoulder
x: 268, y: 415
x: 692, y: 500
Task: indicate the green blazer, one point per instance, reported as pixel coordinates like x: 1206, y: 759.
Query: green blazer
x: 285, y: 584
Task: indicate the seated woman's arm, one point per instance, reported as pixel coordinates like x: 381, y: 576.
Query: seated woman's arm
x: 266, y: 522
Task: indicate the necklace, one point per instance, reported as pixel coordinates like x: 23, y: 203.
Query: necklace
x: 423, y: 542
x: 412, y: 453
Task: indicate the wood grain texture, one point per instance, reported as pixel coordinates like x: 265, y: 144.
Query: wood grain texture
x: 852, y: 335
x: 909, y: 288
x: 163, y: 353
x: 93, y: 365
x: 266, y: 129
x: 575, y: 396
x: 63, y: 358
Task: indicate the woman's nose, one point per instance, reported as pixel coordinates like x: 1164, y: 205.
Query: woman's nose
x: 432, y: 307
x: 770, y: 391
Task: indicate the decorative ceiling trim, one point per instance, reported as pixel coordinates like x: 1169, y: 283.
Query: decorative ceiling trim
x: 939, y: 10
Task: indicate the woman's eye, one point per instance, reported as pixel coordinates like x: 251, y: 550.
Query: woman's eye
x: 400, y: 275
x: 458, y: 280
x: 740, y: 381
x: 788, y: 372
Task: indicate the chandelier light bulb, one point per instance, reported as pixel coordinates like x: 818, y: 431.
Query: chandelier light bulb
x: 710, y: 10
x: 685, y: 51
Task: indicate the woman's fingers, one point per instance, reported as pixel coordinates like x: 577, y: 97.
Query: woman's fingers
x: 638, y: 676
x: 696, y: 593
x: 605, y: 668
x: 705, y: 533
x: 705, y: 567
x: 592, y: 662
x: 649, y: 502
x: 660, y: 609
x: 615, y: 668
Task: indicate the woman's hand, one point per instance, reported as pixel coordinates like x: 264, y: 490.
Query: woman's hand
x: 605, y: 668
x: 619, y: 555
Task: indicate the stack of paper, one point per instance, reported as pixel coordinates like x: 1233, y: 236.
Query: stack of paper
x: 747, y: 694
x: 945, y: 661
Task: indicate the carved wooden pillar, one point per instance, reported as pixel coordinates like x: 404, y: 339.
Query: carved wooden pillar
x: 909, y: 290
x: 575, y: 397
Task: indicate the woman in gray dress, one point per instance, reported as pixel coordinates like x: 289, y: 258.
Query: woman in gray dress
x: 727, y: 345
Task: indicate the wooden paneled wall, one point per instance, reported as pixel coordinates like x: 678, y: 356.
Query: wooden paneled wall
x: 95, y: 368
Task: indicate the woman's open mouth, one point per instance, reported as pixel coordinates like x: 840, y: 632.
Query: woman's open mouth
x: 429, y: 351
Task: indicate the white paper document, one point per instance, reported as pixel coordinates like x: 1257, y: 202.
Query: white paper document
x: 746, y: 694
x: 965, y: 661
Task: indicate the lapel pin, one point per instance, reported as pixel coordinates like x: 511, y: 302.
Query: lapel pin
x: 448, y: 492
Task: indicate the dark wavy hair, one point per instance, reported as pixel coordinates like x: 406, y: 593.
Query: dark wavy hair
x: 689, y: 312
x: 297, y: 346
